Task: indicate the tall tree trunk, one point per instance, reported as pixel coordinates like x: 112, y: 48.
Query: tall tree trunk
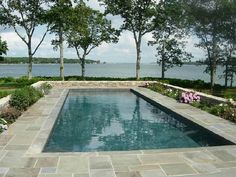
x: 138, y: 50
x: 30, y: 65
x: 213, y: 74
x: 163, y: 62
x: 163, y: 69
x: 231, y: 80
x: 83, y: 66
x: 226, y: 72
x: 61, y: 55
x: 213, y: 63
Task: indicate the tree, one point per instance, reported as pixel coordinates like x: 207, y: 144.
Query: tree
x: 3, y: 48
x: 230, y: 70
x: 168, y: 36
x: 207, y: 20
x: 88, y: 30
x: 24, y: 16
x: 58, y: 20
x: 229, y: 61
x: 229, y: 34
x: 138, y: 16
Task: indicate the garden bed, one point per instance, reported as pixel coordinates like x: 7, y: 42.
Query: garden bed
x: 225, y: 108
x: 13, y: 105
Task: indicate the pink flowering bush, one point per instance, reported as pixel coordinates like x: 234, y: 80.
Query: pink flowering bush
x: 189, y: 97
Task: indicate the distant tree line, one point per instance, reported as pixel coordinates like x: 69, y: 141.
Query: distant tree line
x: 171, y: 22
x: 24, y: 60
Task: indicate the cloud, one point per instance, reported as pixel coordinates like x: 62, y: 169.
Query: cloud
x: 123, y: 51
x: 15, y: 44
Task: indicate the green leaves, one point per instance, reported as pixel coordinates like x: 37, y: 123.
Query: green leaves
x: 213, y: 22
x: 169, y: 34
x: 137, y: 14
x: 3, y: 48
x: 138, y: 17
x: 58, y: 15
x: 88, y: 29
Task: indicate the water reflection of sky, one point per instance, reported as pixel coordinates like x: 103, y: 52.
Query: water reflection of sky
x: 119, y: 120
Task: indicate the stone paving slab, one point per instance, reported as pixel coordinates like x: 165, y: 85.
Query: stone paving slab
x: 178, y: 169
x: 21, y: 149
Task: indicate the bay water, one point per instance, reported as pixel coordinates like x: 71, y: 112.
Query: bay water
x: 119, y: 70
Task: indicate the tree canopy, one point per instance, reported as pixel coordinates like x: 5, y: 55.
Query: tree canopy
x: 209, y: 20
x: 3, y: 48
x: 138, y: 16
x: 169, y: 34
x: 88, y: 30
x: 26, y: 15
x: 57, y: 17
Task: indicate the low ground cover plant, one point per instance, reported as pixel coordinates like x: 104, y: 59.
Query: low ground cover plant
x: 226, y: 111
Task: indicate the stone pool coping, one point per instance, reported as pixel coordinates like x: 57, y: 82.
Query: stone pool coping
x: 20, y: 152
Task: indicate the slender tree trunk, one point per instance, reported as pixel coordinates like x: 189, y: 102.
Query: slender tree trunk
x: 61, y: 55
x: 163, y: 69
x: 138, y: 50
x: 213, y: 74
x: 213, y: 64
x: 163, y: 62
x: 30, y: 65
x: 226, y: 72
x: 83, y: 66
x: 231, y: 80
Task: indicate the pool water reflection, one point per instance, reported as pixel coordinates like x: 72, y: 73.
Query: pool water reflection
x: 117, y: 120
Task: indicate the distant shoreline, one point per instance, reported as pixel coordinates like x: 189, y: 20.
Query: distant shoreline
x: 90, y: 63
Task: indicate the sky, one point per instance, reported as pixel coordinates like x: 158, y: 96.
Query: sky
x: 122, y: 52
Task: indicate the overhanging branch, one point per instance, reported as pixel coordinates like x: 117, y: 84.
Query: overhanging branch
x: 41, y: 41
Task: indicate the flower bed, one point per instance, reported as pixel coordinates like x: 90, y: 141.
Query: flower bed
x: 216, y: 106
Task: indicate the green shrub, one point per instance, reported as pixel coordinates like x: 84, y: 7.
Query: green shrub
x: 20, y: 99
x: 10, y: 114
x: 23, y: 98
x: 8, y: 79
x: 34, y: 94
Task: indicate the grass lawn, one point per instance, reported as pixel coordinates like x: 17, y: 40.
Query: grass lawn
x: 4, y: 91
x: 222, y: 92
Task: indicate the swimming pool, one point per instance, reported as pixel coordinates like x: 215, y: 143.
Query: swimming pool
x: 119, y: 120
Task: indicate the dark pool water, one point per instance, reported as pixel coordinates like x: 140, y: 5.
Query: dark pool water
x: 116, y: 120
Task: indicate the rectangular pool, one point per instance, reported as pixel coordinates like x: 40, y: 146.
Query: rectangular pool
x: 119, y: 120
